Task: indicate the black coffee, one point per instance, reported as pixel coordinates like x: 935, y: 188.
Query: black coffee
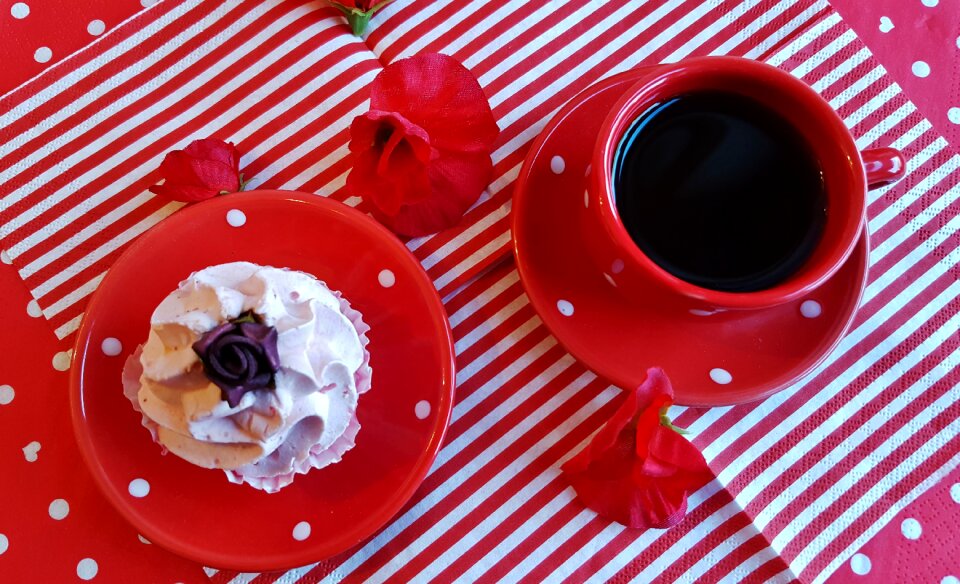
x: 720, y: 191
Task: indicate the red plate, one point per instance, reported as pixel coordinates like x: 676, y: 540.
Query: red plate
x: 195, y: 512
x: 718, y: 359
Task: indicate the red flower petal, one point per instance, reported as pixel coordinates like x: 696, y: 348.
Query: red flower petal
x: 202, y: 170
x: 217, y: 150
x: 636, y: 471
x: 421, y: 155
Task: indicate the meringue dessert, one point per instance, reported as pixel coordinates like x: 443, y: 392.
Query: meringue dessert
x: 253, y: 370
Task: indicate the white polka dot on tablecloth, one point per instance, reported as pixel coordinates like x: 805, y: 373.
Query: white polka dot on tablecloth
x: 422, y: 409
x: 111, y: 347
x: 953, y: 114
x: 920, y: 69
x: 143, y: 539
x: 4, y: 258
x: 59, y: 509
x: 301, y: 531
x: 138, y: 488
x: 721, y: 376
x: 31, y: 451
x: 950, y: 580
x: 6, y: 394
x: 4, y: 544
x: 42, y: 55
x: 930, y: 3
x: 886, y: 25
x: 20, y: 10
x: 87, y: 569
x: 860, y: 564
x: 96, y: 27
x: 955, y: 493
x: 565, y: 307
x: 61, y: 361
x: 33, y: 309
x: 810, y: 309
x: 236, y: 218
x: 911, y: 528
x: 386, y: 278
x: 558, y: 164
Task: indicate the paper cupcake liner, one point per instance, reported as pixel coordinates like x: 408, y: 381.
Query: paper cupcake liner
x: 316, y: 458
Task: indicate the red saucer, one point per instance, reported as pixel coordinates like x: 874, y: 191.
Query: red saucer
x: 195, y: 512
x: 712, y: 359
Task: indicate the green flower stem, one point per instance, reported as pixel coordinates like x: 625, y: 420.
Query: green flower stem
x: 666, y: 422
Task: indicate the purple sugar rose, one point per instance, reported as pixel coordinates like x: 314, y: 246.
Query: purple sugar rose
x: 239, y: 356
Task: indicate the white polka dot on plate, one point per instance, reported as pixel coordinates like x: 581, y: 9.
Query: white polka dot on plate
x: 59, y: 508
x: 20, y: 10
x: 699, y: 312
x: 586, y: 199
x: 422, y: 409
x: 911, y: 528
x: 42, y: 55
x: 61, y: 361
x: 111, y: 347
x: 920, y: 69
x: 617, y: 266
x: 946, y: 579
x: 860, y: 564
x: 301, y: 531
x: 953, y: 114
x: 236, y: 218
x: 810, y: 309
x: 33, y: 309
x: 386, y: 278
x: 96, y: 27
x: 5, y: 258
x: 143, y: 539
x: 721, y: 376
x: 557, y: 165
x: 138, y: 488
x: 87, y: 569
x: 565, y: 307
x: 30, y: 451
x: 955, y: 493
x: 4, y: 543
x: 6, y: 394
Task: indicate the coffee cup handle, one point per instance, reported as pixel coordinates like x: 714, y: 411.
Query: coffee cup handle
x: 883, y: 166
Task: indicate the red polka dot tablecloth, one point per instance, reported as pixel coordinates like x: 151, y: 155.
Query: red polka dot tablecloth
x: 850, y: 475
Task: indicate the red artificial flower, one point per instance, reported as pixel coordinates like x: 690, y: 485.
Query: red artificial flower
x: 421, y: 155
x: 202, y: 170
x: 359, y: 12
x: 638, y: 469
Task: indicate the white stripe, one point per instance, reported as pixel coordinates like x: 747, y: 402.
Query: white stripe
x: 243, y: 578
x: 719, y: 552
x: 471, y: 307
x: 483, y: 253
x: 877, y: 423
x: 744, y: 33
x: 405, y: 26
x: 209, y: 102
x: 68, y: 327
x: 876, y: 492
x: 929, y: 214
x: 74, y: 296
x: 97, y: 254
x: 843, y: 69
x: 749, y: 566
x: 491, y: 452
x: 517, y: 465
x: 781, y: 33
x: 810, y: 35
x: 432, y: 32
x: 876, y: 102
x: 887, y: 516
x: 110, y: 110
x: 821, y: 56
x: 643, y: 541
x: 884, y: 126
x: 922, y: 187
x: 82, y: 72
x: 483, y: 329
x: 857, y: 87
x: 716, y: 27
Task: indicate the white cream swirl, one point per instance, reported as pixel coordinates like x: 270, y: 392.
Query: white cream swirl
x: 308, y: 421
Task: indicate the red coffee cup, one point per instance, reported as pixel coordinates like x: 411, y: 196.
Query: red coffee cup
x: 847, y: 174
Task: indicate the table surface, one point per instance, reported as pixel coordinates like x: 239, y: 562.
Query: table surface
x: 55, y: 524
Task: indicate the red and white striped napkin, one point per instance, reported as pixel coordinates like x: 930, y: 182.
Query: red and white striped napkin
x: 804, y: 478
